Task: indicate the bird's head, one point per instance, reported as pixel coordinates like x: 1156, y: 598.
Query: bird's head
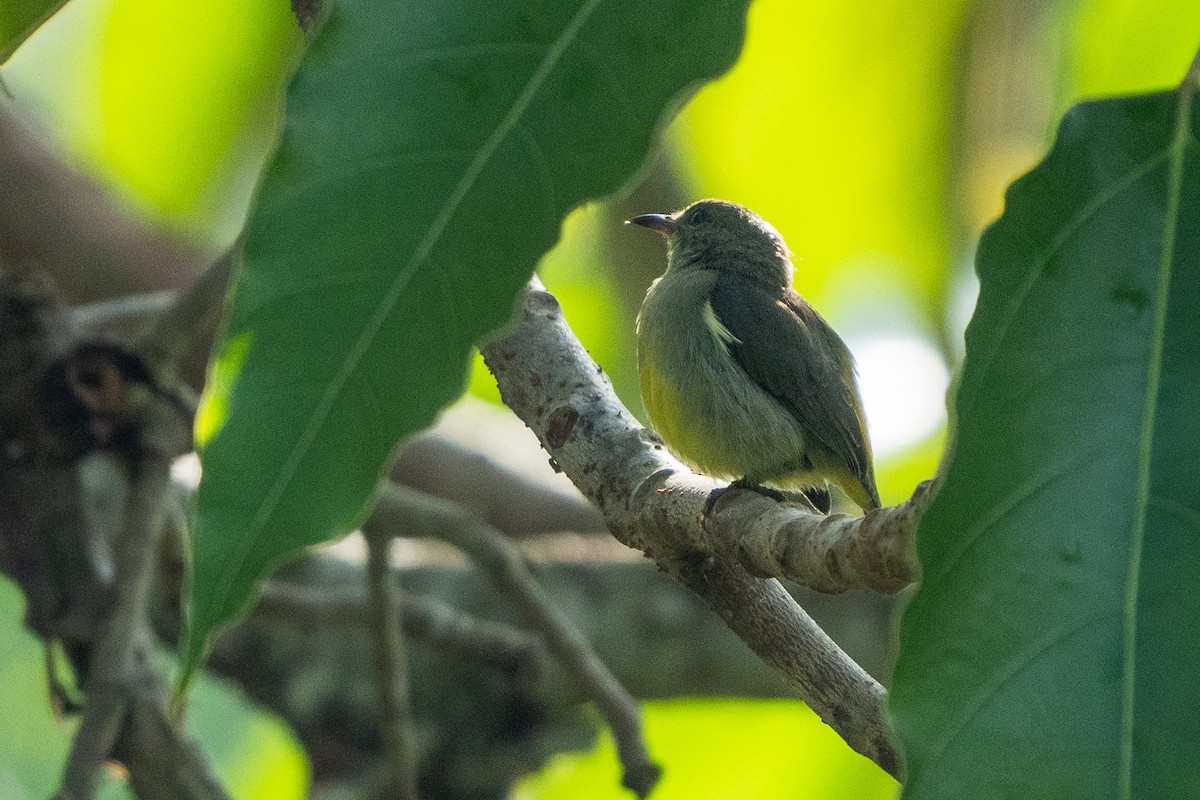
x: 722, y: 236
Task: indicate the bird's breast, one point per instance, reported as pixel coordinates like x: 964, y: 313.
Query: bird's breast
x: 700, y: 400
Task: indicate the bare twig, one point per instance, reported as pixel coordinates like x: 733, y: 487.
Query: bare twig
x: 125, y: 637
x: 189, y: 320
x: 119, y: 309
x: 62, y: 400
x: 424, y: 618
x: 1191, y: 79
x: 391, y: 668
x: 653, y: 503
x: 418, y: 514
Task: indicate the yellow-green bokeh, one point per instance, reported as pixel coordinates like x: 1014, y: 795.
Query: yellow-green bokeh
x: 213, y: 410
x: 723, y: 750
x: 579, y: 274
x: 172, y: 104
x: 182, y: 89
x: 833, y: 125
x: 1124, y: 47
x: 877, y: 136
x: 254, y: 755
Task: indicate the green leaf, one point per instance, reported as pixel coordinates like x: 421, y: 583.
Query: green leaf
x: 1053, y: 649
x: 19, y: 19
x: 430, y: 152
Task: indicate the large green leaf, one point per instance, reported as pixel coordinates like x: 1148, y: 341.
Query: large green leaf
x: 1053, y: 649
x: 19, y: 19
x: 430, y: 151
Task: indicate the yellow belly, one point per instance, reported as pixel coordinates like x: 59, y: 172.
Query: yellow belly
x: 679, y: 426
x: 716, y: 432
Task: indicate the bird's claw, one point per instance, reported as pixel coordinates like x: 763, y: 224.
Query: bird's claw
x: 741, y: 483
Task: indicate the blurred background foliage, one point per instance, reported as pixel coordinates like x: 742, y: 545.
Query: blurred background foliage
x: 254, y: 755
x: 878, y: 137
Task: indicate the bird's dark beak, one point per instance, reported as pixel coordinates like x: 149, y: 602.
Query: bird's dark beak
x: 662, y: 223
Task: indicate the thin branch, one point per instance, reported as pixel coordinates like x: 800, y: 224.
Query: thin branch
x: 655, y: 504
x: 121, y: 309
x: 391, y: 668
x: 189, y: 320
x: 1191, y: 79
x: 125, y: 636
x: 423, y: 618
x: 495, y: 487
x: 418, y: 514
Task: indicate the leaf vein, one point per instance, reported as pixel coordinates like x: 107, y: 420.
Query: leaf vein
x: 453, y: 52
x: 1031, y: 488
x: 1177, y: 151
x: 388, y: 302
x: 999, y: 679
x: 1074, y: 226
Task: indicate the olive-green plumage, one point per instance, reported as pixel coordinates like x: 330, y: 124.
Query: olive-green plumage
x: 741, y: 377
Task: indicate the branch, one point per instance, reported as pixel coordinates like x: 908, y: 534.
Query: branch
x: 417, y: 514
x: 70, y: 412
x: 497, y: 489
x: 134, y: 307
x: 188, y: 321
x: 116, y: 672
x: 391, y: 668
x: 653, y: 503
x: 426, y: 619
x: 831, y: 554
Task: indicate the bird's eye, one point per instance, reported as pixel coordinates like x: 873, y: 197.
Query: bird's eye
x: 698, y: 216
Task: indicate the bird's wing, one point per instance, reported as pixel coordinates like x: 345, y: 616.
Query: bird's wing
x: 792, y: 353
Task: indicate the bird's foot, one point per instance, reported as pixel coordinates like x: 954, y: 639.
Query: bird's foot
x: 741, y: 483
x: 746, y: 483
x: 820, y: 499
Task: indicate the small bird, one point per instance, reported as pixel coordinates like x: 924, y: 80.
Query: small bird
x: 741, y: 377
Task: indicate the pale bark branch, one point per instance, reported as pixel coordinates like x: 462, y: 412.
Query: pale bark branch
x: 653, y: 503
x: 831, y: 554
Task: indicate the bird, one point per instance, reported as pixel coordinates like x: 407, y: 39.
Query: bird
x: 741, y: 377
